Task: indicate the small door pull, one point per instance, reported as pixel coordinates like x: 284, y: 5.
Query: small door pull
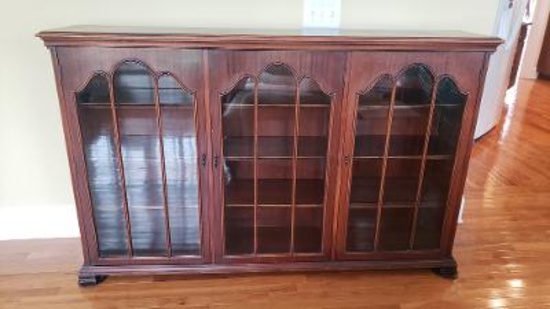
x: 346, y: 159
x: 203, y: 159
x: 216, y: 161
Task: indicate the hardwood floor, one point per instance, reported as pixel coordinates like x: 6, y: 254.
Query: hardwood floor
x: 502, y: 248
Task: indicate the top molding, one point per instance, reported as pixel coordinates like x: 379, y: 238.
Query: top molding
x: 268, y: 39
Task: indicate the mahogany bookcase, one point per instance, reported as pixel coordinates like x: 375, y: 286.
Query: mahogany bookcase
x: 218, y: 151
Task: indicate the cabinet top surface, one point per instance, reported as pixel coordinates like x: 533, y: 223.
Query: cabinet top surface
x: 234, y: 38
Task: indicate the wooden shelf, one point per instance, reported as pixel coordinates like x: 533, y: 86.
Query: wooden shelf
x: 428, y: 157
x: 129, y: 106
x: 246, y: 105
x: 274, y: 192
x: 401, y: 105
x: 282, y: 98
x: 398, y: 193
x: 146, y: 196
x: 271, y: 240
x: 274, y: 147
x: 401, y: 146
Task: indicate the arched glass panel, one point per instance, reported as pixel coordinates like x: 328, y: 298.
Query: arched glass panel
x: 141, y: 157
x: 179, y: 140
x: 372, y: 119
x: 276, y: 115
x: 413, y: 96
x: 445, y: 132
x: 238, y: 168
x: 98, y: 138
x: 371, y: 128
x: 414, y: 86
x: 134, y: 84
x: 313, y: 136
x: 96, y: 91
x: 275, y: 131
x: 171, y: 92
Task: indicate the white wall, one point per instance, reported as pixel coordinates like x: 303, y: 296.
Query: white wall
x: 33, y: 166
x: 535, y: 38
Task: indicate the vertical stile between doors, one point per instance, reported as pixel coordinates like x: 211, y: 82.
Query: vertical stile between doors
x: 418, y: 197
x: 205, y: 215
x: 168, y: 238
x: 384, y: 166
x: 121, y: 167
x: 294, y: 164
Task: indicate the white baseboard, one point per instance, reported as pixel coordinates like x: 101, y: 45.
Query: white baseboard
x: 38, y: 221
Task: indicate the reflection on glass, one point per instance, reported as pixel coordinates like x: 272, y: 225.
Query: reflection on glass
x: 311, y: 93
x: 449, y: 108
x: 410, y: 117
x: 414, y: 86
x: 373, y: 109
x: 238, y: 120
x: 180, y: 157
x: 96, y: 125
x: 140, y: 147
x: 172, y: 93
x: 96, y: 91
x: 133, y: 84
x: 141, y: 150
x: 446, y: 125
x: 379, y: 94
x: 277, y: 86
x: 372, y: 119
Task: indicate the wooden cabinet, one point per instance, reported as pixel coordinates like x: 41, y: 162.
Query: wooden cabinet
x: 193, y: 151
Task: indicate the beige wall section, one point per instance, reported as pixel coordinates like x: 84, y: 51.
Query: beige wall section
x: 33, y: 165
x: 476, y: 16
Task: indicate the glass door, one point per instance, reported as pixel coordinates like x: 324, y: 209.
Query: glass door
x: 406, y: 133
x: 139, y: 132
x: 275, y: 130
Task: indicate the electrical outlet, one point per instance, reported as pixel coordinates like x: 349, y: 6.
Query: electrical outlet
x: 322, y: 13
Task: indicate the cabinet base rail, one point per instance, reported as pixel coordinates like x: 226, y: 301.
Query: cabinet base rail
x: 92, y: 275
